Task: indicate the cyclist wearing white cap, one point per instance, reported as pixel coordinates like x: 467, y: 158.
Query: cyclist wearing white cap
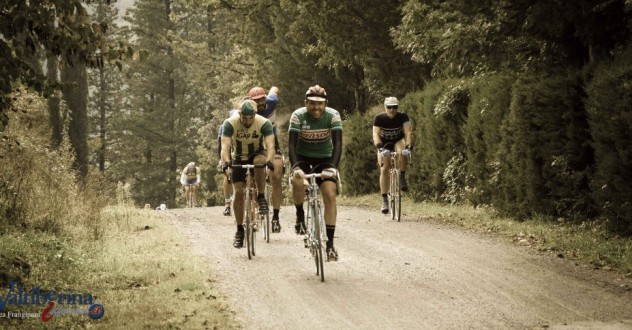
x: 392, y: 131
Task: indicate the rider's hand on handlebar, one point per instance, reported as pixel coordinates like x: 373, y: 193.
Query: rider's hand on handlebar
x: 269, y: 165
x: 406, y: 152
x: 298, y: 174
x: 385, y: 152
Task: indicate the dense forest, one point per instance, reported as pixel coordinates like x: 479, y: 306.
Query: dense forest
x: 522, y: 106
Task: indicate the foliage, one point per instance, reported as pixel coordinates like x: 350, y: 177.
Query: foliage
x: 609, y: 105
x: 358, y: 168
x: 464, y: 38
x: 490, y: 99
x: 545, y: 157
x: 56, y: 27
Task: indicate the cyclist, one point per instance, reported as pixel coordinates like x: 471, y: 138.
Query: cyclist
x: 266, y: 107
x: 392, y: 131
x: 252, y: 141
x: 315, y: 144
x: 227, y: 187
x: 190, y: 179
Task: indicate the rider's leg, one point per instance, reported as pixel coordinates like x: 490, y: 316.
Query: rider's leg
x: 194, y: 189
x: 403, y: 163
x: 384, y: 164
x: 228, y: 192
x: 260, y: 180
x: 275, y: 181
x: 298, y: 195
x: 328, y: 191
x: 187, y: 191
x: 238, y: 202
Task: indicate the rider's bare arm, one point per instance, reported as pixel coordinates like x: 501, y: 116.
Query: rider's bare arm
x: 269, y: 142
x: 336, y: 139
x: 408, y: 133
x: 226, y: 142
x: 376, y: 135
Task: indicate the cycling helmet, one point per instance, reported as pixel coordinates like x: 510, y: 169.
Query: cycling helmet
x: 256, y: 93
x: 316, y: 93
x: 391, y: 100
x: 247, y: 108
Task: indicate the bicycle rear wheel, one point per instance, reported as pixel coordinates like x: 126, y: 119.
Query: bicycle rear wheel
x: 398, y: 201
x: 248, y: 228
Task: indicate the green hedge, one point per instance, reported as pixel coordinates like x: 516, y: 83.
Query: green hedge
x: 609, y: 105
x: 545, y: 157
x: 358, y: 166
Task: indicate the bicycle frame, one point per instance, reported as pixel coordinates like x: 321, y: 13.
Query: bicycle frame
x: 394, y: 189
x: 316, y: 236
x: 251, y: 207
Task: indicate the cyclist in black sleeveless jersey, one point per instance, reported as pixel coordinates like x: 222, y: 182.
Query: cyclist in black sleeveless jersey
x: 392, y: 131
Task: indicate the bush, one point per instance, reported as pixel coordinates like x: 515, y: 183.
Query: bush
x: 609, y: 105
x: 545, y: 159
x: 358, y: 167
x: 490, y: 99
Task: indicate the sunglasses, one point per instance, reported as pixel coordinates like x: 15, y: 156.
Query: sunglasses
x: 391, y: 107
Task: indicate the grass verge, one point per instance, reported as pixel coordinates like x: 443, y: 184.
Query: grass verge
x: 587, y: 242
x: 140, y: 271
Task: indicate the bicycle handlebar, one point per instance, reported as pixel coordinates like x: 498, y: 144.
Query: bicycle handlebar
x: 247, y: 166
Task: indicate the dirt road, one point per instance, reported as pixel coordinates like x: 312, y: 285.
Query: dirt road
x: 407, y: 275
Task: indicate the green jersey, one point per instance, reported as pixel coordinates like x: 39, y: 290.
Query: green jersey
x: 246, y: 141
x: 314, y: 136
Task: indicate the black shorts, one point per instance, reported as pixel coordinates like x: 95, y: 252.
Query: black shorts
x: 239, y: 174
x: 311, y: 165
x: 390, y: 145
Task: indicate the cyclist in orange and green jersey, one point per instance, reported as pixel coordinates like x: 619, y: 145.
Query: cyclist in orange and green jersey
x: 252, y: 141
x: 315, y: 144
x: 266, y: 107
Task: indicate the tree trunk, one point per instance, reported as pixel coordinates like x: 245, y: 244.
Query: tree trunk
x: 75, y: 93
x: 56, y: 124
x: 102, y: 111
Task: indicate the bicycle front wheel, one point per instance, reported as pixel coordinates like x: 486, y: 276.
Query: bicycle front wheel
x: 318, y: 255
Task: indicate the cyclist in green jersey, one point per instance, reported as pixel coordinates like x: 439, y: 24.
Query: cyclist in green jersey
x: 315, y: 144
x: 252, y: 141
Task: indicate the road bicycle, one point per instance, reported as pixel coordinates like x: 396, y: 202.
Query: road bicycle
x: 395, y: 188
x: 316, y: 236
x: 188, y: 196
x: 252, y: 212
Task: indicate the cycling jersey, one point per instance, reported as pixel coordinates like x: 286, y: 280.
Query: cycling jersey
x: 315, y: 135
x: 246, y: 141
x: 391, y: 129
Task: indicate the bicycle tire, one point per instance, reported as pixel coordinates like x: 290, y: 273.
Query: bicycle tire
x: 253, y: 225
x: 319, y: 242
x: 248, y: 227
x: 392, y: 192
x: 266, y: 220
x: 398, y: 200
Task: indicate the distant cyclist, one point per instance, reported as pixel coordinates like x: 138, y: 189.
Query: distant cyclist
x: 392, y: 131
x: 266, y: 107
x: 315, y: 144
x: 190, y: 179
x: 251, y: 140
x: 227, y: 187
